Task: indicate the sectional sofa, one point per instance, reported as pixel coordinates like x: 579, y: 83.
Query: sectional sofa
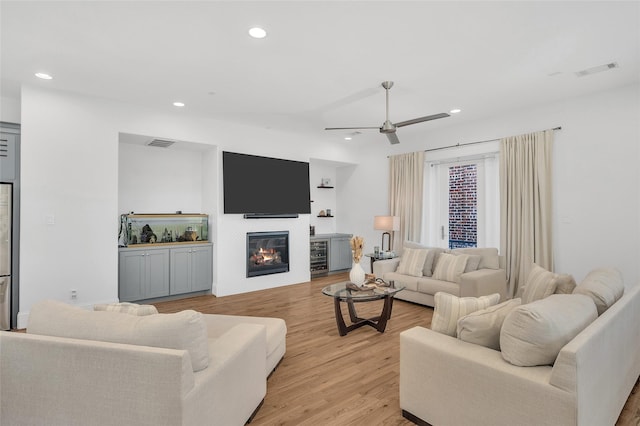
x: 80, y: 367
x: 445, y: 380
x: 476, y: 272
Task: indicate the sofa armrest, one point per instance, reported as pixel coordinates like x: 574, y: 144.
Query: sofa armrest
x: 483, y: 282
x: 444, y: 380
x: 56, y: 380
x: 380, y: 267
x: 230, y: 389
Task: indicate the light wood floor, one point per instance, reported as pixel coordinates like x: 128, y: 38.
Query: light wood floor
x: 325, y: 379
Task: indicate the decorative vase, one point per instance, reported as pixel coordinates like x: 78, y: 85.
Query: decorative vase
x: 356, y: 274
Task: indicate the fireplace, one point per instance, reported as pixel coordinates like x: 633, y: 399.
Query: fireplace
x: 267, y: 253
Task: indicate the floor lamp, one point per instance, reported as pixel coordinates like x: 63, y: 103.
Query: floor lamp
x: 386, y: 223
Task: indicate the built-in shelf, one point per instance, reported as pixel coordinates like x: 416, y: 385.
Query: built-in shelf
x: 326, y: 216
x: 325, y: 187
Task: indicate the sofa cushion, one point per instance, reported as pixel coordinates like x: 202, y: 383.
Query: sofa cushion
x: 412, y: 261
x: 127, y: 308
x: 432, y: 286
x: 490, y: 258
x: 483, y: 327
x: 427, y: 270
x: 450, y: 267
x: 409, y: 282
x: 449, y: 309
x: 604, y: 286
x: 566, y: 284
x: 184, y: 330
x: 540, y: 284
x: 533, y: 334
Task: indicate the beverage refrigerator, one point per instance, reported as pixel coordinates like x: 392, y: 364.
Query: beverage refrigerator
x: 6, y: 190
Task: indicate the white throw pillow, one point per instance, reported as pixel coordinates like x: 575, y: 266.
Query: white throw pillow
x: 490, y: 258
x: 412, y: 262
x: 483, y: 327
x: 533, y: 334
x: 127, y: 308
x: 540, y: 284
x: 427, y: 270
x: 449, y: 309
x: 450, y: 267
x: 604, y: 286
x: 184, y: 330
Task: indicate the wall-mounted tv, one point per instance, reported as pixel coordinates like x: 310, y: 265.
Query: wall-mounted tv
x: 264, y: 186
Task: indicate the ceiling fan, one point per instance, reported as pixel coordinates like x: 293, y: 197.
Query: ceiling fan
x: 389, y: 128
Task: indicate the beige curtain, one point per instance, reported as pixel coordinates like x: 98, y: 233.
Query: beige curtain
x: 406, y: 182
x: 525, y: 205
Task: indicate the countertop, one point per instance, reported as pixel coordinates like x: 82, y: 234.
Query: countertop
x: 329, y: 236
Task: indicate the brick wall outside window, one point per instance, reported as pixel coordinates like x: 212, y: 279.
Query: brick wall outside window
x: 463, y: 206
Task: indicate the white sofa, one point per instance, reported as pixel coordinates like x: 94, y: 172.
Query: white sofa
x: 447, y: 381
x: 164, y: 369
x: 489, y: 278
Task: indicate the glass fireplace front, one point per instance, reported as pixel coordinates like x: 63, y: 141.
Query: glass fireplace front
x: 267, y: 253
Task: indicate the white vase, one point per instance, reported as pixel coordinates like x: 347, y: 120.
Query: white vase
x: 356, y: 274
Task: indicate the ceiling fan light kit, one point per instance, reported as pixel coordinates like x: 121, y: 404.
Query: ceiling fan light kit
x: 388, y: 128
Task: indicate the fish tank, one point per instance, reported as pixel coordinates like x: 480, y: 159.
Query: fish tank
x: 136, y: 229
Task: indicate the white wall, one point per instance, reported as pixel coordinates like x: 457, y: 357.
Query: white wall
x: 9, y: 110
x: 596, y: 176
x: 70, y: 163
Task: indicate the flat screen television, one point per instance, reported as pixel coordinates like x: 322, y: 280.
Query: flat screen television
x: 257, y: 185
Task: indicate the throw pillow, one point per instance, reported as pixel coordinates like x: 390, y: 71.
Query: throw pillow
x: 184, y: 330
x: 566, y: 284
x: 449, y: 309
x: 427, y: 271
x: 127, y: 308
x: 604, y: 286
x: 450, y: 267
x: 533, y: 334
x: 540, y: 284
x: 483, y: 327
x: 412, y: 261
x: 490, y: 257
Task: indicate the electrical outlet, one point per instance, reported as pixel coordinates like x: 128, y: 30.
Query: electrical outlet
x: 74, y: 295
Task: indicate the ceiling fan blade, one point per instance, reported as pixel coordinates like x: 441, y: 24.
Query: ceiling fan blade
x: 393, y: 139
x: 349, y: 128
x: 421, y: 119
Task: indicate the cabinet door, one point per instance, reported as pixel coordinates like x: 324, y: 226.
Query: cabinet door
x: 201, y: 268
x: 131, y: 275
x: 157, y: 279
x: 8, y: 144
x: 340, y: 254
x: 180, y: 270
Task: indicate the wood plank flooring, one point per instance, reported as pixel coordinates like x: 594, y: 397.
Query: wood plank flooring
x: 325, y: 379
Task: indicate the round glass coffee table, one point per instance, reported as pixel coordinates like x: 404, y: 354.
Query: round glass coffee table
x: 341, y: 293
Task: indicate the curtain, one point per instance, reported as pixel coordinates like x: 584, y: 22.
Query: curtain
x: 525, y: 205
x: 406, y: 182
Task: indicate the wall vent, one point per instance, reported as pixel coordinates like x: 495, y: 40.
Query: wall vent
x: 160, y: 143
x: 599, y: 68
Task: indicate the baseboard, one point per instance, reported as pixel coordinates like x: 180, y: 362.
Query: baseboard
x: 414, y: 419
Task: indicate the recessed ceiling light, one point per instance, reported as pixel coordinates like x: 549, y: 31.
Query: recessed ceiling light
x: 178, y: 104
x: 257, y: 32
x: 43, y: 76
x: 455, y: 111
x: 348, y: 138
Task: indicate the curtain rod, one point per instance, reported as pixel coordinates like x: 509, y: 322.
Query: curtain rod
x: 473, y: 143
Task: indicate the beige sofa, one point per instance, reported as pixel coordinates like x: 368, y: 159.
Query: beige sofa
x: 448, y: 381
x: 79, y: 367
x: 487, y: 277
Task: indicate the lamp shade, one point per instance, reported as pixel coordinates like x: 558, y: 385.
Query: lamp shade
x: 386, y: 223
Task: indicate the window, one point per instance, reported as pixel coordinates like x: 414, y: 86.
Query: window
x: 462, y: 198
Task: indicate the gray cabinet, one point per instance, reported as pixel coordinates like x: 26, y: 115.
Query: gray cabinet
x: 340, y: 253
x: 157, y: 272
x: 191, y: 269
x: 8, y: 156
x: 144, y: 274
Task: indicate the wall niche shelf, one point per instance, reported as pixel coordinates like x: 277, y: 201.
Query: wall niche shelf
x: 326, y: 216
x: 325, y: 187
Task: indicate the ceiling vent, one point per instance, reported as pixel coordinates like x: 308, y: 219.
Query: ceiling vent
x: 160, y: 143
x: 599, y: 68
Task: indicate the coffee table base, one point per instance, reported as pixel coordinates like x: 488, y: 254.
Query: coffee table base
x: 379, y: 322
